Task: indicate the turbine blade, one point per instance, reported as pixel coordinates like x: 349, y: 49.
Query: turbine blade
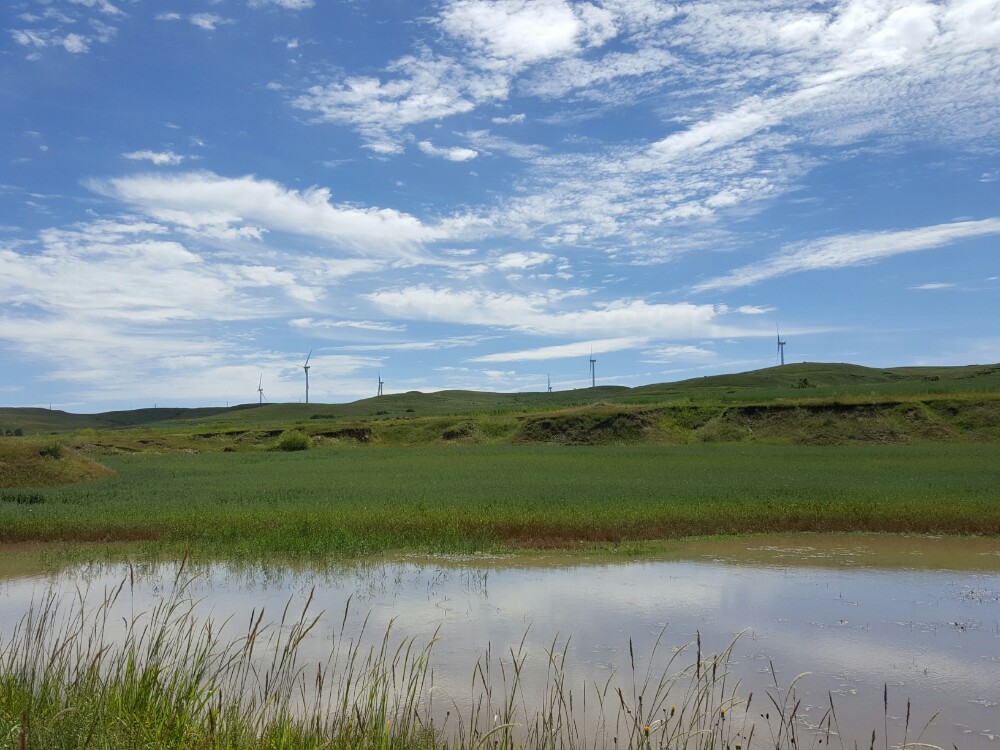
x: 308, y: 356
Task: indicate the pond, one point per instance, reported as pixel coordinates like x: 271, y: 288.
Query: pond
x: 913, y: 619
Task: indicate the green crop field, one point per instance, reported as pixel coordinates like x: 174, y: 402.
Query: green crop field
x: 362, y: 500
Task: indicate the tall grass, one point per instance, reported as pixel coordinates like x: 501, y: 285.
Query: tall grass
x: 76, y: 675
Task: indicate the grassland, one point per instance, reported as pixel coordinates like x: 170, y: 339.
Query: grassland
x: 823, y: 448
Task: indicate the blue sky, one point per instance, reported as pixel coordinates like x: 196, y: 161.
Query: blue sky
x: 478, y: 193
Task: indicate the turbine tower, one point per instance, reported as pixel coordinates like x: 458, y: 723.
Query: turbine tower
x: 380, y: 382
x: 548, y: 380
x: 593, y: 370
x: 260, y: 388
x: 305, y: 367
x: 781, y: 347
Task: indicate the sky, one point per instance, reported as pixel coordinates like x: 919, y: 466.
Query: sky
x: 484, y: 194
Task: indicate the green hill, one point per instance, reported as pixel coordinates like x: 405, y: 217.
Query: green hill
x: 804, y: 382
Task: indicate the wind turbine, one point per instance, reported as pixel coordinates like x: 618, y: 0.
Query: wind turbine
x: 593, y: 369
x: 380, y: 382
x: 548, y: 380
x: 781, y: 346
x: 260, y: 388
x: 306, y: 368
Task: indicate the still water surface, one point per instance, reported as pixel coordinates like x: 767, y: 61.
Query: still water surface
x: 857, y: 612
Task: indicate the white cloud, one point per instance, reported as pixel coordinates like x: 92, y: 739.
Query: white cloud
x: 762, y: 96
x: 596, y: 76
x: 452, y: 342
x: 850, y: 250
x: 30, y: 37
x: 208, y: 21
x: 364, y: 325
x: 384, y: 148
x: 75, y: 43
x: 286, y: 4
x: 98, y: 274
x: 159, y: 158
x: 565, y: 351
x: 522, y: 260
x: 486, y: 142
x: 546, y: 313
x: 510, y: 119
x: 451, y: 154
x: 116, y: 306
x: 678, y: 353
x: 205, y: 21
x: 102, y: 5
x: 203, y: 201
x: 426, y: 87
x: 933, y: 285
x: 522, y: 32
x: 502, y: 36
x: 753, y: 310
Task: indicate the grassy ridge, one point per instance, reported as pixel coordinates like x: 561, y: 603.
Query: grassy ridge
x: 361, y: 500
x: 27, y: 463
x: 804, y: 422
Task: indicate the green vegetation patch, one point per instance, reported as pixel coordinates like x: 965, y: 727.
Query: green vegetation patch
x: 588, y: 428
x: 293, y: 440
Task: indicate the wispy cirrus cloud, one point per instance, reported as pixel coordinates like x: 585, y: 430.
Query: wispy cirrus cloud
x: 678, y: 353
x: 159, y: 158
x: 203, y: 21
x: 107, y: 297
x: 496, y: 40
x: 286, y: 4
x: 362, y: 325
x: 74, y: 27
x: 426, y: 345
x: 847, y: 250
x: 104, y: 6
x: 743, y: 120
x: 39, y: 38
x: 565, y: 351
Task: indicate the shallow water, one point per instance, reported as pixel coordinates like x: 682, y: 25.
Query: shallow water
x: 857, y: 612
